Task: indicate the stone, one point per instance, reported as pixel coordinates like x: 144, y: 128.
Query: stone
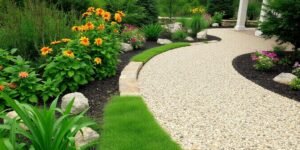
x: 12, y: 115
x: 202, y: 35
x: 215, y: 25
x: 177, y: 26
x: 284, y: 78
x: 189, y: 39
x: 125, y: 47
x: 85, y: 136
x: 163, y: 41
x: 80, y: 104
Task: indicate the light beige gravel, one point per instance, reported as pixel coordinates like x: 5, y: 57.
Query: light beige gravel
x: 198, y: 97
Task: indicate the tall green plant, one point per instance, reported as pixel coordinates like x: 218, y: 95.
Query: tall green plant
x: 198, y: 23
x: 45, y: 131
x: 152, y: 31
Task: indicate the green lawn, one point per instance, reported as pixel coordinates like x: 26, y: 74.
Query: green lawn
x: 128, y: 125
x: 150, y: 53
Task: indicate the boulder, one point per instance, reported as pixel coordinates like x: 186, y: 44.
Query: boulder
x: 174, y: 27
x: 125, y: 47
x: 163, y: 41
x: 12, y: 115
x: 284, y: 78
x: 80, y: 104
x: 189, y: 39
x: 85, y: 136
x: 215, y: 25
x: 202, y: 35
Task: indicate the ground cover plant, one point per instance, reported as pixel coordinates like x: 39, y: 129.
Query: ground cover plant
x: 129, y: 125
x: 150, y: 53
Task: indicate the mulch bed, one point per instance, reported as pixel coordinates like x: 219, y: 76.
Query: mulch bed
x: 99, y: 92
x: 244, y: 65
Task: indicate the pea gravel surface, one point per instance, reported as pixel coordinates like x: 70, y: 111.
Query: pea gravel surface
x: 204, y: 103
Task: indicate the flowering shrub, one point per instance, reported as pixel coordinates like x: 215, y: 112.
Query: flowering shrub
x: 133, y: 36
x: 264, y: 60
x: 198, y: 10
x: 295, y: 84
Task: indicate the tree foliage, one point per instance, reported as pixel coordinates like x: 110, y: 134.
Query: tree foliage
x: 225, y: 6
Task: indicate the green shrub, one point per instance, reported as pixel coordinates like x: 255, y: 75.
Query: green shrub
x: 253, y: 11
x: 151, y: 11
x: 48, y: 128
x: 152, y: 31
x: 68, y: 5
x: 264, y: 63
x: 133, y: 36
x: 279, y: 50
x: 179, y: 35
x: 296, y: 72
x: 198, y: 23
x: 218, y: 17
x: 295, y: 84
x: 225, y: 6
x: 30, y: 27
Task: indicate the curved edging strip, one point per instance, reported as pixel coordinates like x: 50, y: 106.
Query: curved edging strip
x: 128, y: 84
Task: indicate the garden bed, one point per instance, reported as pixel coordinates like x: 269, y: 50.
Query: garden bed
x: 244, y: 65
x: 99, y: 92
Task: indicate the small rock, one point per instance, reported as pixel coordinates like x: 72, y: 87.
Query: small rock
x: 125, y: 47
x: 12, y: 115
x: 215, y: 25
x: 85, y: 136
x: 202, y: 35
x: 80, y: 104
x: 164, y: 41
x: 189, y: 39
x: 174, y: 27
x: 189, y: 31
x: 284, y: 78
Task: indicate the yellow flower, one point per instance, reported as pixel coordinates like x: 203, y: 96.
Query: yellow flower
x: 121, y: 13
x: 23, y: 74
x: 2, y: 87
x: 84, y: 41
x: 75, y: 28
x: 86, y: 14
x: 55, y: 42
x: 118, y: 17
x: 113, y: 23
x: 46, y: 50
x: 91, y: 9
x: 90, y: 26
x: 68, y: 53
x: 101, y: 27
x: 98, y: 41
x: 99, y: 11
x: 98, y: 60
x: 65, y: 40
x: 83, y: 28
x: 106, y: 16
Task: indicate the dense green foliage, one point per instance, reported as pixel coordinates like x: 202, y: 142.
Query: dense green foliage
x: 150, y: 53
x: 198, y: 23
x: 30, y: 27
x: 282, y: 20
x: 217, y: 17
x: 225, y: 6
x: 179, y: 35
x: 151, y: 11
x: 254, y: 8
x: 128, y: 125
x: 48, y: 128
x: 295, y: 84
x: 152, y: 31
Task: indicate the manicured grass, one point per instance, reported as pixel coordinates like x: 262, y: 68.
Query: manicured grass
x: 128, y: 125
x: 148, y: 54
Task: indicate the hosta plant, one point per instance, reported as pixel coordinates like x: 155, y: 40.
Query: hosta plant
x: 48, y: 128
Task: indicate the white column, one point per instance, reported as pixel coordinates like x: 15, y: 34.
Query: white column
x: 242, y: 15
x: 262, y: 18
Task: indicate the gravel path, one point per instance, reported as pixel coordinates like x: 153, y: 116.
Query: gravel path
x: 198, y: 97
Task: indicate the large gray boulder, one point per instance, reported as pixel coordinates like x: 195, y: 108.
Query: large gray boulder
x: 284, y: 78
x: 163, y: 41
x: 125, y: 47
x: 177, y: 26
x: 80, y: 104
x: 202, y: 35
x: 85, y: 136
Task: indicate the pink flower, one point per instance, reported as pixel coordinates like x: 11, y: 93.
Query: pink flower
x: 296, y: 65
x: 254, y: 57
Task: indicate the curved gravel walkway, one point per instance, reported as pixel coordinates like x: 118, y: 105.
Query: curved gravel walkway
x: 198, y: 97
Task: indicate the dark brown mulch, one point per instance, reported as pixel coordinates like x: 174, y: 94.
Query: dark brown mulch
x: 99, y: 92
x: 244, y: 65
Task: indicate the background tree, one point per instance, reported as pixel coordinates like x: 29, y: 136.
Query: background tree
x: 151, y: 11
x: 282, y: 20
x: 225, y: 6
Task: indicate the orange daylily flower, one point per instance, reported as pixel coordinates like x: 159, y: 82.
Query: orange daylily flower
x: 90, y: 26
x: 46, y: 50
x: 99, y: 11
x: 101, y: 27
x: 98, y: 41
x: 84, y: 41
x: 121, y: 13
x: 86, y: 14
x: 23, y: 74
x: 91, y: 9
x: 118, y: 17
x: 106, y: 16
x: 55, y: 42
x: 65, y: 40
x: 68, y: 53
x: 2, y: 87
x: 98, y: 60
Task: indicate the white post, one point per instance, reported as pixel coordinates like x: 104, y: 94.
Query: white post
x: 242, y: 15
x: 261, y: 17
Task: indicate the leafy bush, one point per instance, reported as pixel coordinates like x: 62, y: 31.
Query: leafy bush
x: 68, y: 5
x: 296, y: 72
x: 198, y: 23
x: 218, y: 17
x: 295, y: 84
x: 179, y: 35
x: 282, y: 20
x: 279, y: 50
x: 225, y: 6
x: 151, y: 11
x: 30, y: 27
x: 152, y: 31
x: 133, y: 36
x: 265, y: 60
x: 48, y: 128
x: 253, y: 11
